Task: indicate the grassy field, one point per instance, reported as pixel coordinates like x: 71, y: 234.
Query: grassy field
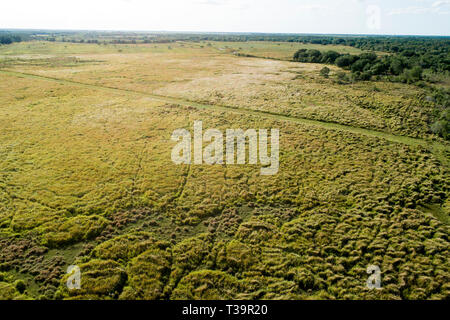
x: 86, y: 178
x: 205, y: 74
x: 275, y: 50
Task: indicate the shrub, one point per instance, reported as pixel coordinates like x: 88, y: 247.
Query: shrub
x: 20, y: 286
x: 72, y: 230
x: 7, y: 291
x: 324, y: 72
x: 128, y: 246
x: 344, y: 61
x: 148, y: 273
x: 207, y: 285
x: 98, y: 278
x: 441, y: 128
x: 330, y: 57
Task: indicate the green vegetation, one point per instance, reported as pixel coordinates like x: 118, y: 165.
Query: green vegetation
x: 86, y: 176
x: 8, y: 39
x: 406, y: 65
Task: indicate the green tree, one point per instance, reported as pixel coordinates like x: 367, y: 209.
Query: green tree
x: 416, y: 73
x: 344, y: 61
x: 330, y: 56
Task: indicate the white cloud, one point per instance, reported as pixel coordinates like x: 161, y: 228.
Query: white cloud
x: 441, y: 3
x: 438, y: 7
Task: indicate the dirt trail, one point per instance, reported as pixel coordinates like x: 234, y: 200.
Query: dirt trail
x: 440, y: 150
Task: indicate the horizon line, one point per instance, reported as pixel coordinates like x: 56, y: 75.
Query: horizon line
x: 225, y: 32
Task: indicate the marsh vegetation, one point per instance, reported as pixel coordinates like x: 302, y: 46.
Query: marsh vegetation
x: 86, y: 176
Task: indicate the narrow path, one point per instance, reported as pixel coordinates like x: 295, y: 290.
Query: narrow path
x: 440, y: 150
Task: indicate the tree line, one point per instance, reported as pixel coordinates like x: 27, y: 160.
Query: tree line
x: 10, y: 38
x: 404, y: 67
x: 367, y: 65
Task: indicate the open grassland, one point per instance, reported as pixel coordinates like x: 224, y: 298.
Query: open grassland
x: 204, y: 74
x: 274, y: 50
x: 263, y: 49
x: 86, y: 178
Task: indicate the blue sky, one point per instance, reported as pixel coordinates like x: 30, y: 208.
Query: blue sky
x: 421, y: 17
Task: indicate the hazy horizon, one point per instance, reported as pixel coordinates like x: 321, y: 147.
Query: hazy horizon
x: 353, y: 17
x: 223, y: 32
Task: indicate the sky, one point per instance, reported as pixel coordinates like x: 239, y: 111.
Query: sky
x: 396, y: 17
